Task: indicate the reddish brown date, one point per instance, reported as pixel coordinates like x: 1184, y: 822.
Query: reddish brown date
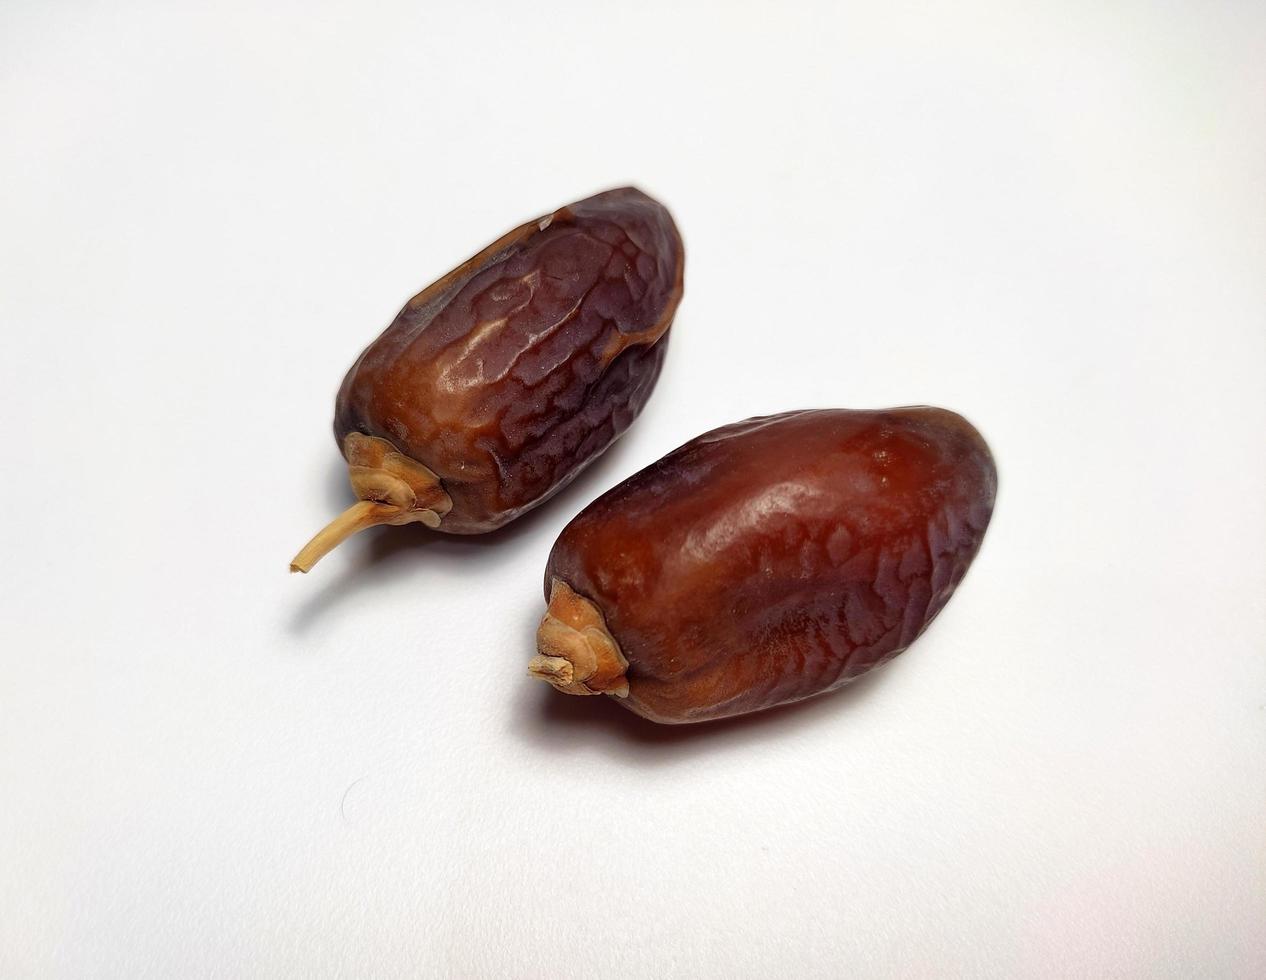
x: 766, y: 562
x: 497, y: 384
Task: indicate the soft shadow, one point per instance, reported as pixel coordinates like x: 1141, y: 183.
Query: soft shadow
x: 564, y: 724
x: 367, y: 562
x: 372, y: 557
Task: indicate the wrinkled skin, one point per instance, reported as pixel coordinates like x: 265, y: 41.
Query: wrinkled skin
x: 510, y: 374
x: 778, y: 558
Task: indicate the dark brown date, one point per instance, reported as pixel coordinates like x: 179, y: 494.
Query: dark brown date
x: 496, y: 385
x: 765, y: 562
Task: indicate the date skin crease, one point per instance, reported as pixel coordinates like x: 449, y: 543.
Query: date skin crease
x: 507, y: 376
x: 770, y: 560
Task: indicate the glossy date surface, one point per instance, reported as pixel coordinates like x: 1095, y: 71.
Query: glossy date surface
x: 777, y: 558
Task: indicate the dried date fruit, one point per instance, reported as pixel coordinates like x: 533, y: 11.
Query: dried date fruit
x: 497, y: 384
x: 765, y: 562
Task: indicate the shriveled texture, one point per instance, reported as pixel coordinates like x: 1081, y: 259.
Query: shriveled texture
x: 512, y: 372
x: 781, y: 557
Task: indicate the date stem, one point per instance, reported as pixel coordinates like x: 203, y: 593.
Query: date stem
x: 393, y: 489
x: 577, y: 653
x: 361, y: 516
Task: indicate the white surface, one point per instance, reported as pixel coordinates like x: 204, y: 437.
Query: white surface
x: 1052, y: 221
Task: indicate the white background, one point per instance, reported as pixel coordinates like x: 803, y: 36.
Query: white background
x: 1050, y: 217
